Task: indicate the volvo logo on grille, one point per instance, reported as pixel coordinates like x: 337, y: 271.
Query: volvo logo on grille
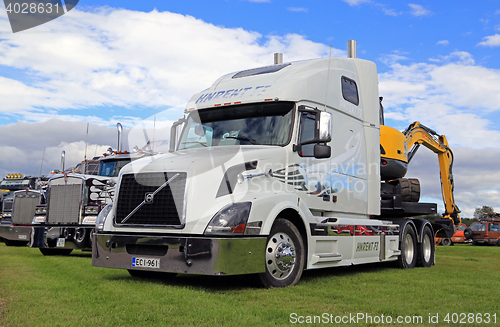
x: 149, y: 197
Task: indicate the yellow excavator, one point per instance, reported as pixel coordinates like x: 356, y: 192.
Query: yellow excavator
x: 397, y: 149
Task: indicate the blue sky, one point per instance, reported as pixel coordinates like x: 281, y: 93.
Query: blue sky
x: 422, y: 29
x: 125, y: 61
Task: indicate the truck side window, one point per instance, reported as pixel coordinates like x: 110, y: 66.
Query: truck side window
x: 349, y: 90
x: 307, y: 129
x: 494, y: 227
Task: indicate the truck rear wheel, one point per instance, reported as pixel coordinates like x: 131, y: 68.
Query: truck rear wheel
x: 285, y: 256
x: 47, y: 251
x: 408, y: 257
x: 426, y: 248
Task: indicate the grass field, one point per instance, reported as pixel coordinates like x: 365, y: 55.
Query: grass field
x: 67, y: 291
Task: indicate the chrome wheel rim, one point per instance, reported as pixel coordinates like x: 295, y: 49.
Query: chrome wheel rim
x: 79, y: 234
x: 409, y: 250
x: 280, y: 256
x: 427, y: 248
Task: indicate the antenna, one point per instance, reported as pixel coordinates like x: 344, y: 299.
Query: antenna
x: 85, y: 155
x: 328, y: 75
x: 43, y: 156
x: 154, y: 129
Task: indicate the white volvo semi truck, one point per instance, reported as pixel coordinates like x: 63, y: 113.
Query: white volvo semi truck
x: 271, y: 171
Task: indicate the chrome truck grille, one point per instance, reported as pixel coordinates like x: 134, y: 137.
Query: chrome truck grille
x: 24, y: 207
x: 147, y: 199
x: 64, y: 201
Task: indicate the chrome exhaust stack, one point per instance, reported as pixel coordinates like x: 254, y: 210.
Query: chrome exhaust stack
x: 351, y: 49
x: 63, y: 159
x: 120, y: 132
x: 278, y: 58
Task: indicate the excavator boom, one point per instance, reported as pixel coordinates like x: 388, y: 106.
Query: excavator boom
x: 418, y: 134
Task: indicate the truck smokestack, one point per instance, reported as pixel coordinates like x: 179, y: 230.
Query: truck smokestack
x: 63, y: 158
x: 120, y: 131
x: 351, y: 49
x: 278, y: 58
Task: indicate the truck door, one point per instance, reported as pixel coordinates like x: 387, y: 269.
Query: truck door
x: 308, y: 175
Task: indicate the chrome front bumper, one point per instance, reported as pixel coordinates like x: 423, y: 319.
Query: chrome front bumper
x: 15, y: 233
x: 60, y: 237
x: 190, y: 255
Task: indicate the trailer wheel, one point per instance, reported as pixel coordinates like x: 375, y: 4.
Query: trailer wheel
x: 408, y: 257
x: 446, y: 242
x: 426, y: 249
x: 47, y: 251
x: 285, y: 256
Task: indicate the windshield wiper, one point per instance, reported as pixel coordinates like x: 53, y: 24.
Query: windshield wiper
x: 243, y: 138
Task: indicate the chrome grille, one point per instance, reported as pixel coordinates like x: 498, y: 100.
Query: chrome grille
x: 167, y: 207
x: 64, y: 202
x: 24, y: 207
x: 7, y: 204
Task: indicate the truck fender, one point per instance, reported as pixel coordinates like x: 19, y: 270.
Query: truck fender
x: 420, y: 225
x: 402, y: 222
x: 286, y: 201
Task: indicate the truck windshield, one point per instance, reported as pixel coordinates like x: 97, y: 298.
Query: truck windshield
x: 112, y: 168
x: 478, y: 227
x: 263, y: 123
x: 15, y: 184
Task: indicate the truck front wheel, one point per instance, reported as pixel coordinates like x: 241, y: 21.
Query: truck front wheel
x: 285, y: 256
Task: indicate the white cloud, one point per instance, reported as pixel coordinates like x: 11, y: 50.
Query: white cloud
x: 456, y: 98
x: 476, y: 180
x: 298, y: 9
x: 419, y: 10
x: 443, y: 42
x: 388, y: 11
x: 491, y: 41
x: 356, y: 2
x: 126, y: 58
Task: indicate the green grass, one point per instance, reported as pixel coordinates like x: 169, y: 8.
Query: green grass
x: 67, y: 291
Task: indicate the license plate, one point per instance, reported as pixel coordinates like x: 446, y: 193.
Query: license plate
x: 146, y: 263
x: 22, y: 237
x: 60, y: 242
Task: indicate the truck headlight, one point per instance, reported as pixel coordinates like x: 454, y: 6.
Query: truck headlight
x: 40, y: 210
x: 101, y: 217
x: 231, y: 220
x: 91, y: 210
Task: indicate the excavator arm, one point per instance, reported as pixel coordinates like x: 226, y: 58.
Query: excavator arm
x: 418, y: 134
